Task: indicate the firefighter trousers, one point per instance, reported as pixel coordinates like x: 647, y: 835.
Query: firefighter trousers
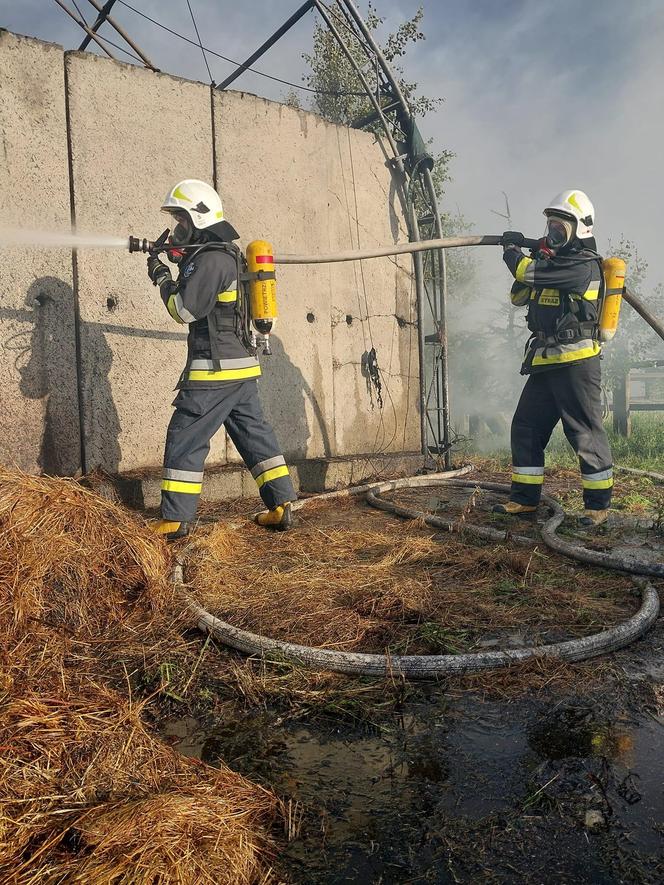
x: 572, y: 394
x: 199, y: 414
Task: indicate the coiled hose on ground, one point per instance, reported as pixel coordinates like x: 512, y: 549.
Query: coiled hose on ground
x: 431, y: 666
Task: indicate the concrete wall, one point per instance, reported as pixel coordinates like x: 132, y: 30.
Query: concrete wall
x: 39, y: 429
x: 309, y: 186
x: 284, y: 175
x: 133, y: 134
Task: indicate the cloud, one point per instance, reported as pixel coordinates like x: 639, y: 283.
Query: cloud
x: 560, y: 96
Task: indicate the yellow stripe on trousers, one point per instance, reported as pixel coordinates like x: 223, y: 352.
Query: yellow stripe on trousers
x: 175, y: 485
x: 597, y: 483
x: 528, y: 479
x: 275, y: 473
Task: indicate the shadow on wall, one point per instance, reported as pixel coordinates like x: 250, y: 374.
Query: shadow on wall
x: 284, y: 393
x: 50, y: 373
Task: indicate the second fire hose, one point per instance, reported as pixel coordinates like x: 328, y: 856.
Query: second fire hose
x: 633, y: 300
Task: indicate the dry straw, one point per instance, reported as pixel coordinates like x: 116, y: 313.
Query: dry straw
x: 87, y: 794
x: 370, y: 583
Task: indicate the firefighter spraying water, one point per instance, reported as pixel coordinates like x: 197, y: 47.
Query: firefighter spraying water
x: 230, y: 308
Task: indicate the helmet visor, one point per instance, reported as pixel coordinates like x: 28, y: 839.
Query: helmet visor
x: 559, y: 232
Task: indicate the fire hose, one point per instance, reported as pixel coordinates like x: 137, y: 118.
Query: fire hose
x: 452, y: 243
x: 431, y: 666
x: 154, y: 247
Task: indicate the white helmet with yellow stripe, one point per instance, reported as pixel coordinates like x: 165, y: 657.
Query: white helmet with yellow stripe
x: 576, y: 205
x: 199, y: 203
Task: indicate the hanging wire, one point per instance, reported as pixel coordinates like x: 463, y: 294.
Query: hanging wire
x: 77, y: 8
x: 200, y: 43
x: 232, y: 61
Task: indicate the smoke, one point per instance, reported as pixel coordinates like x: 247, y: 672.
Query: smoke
x: 13, y: 237
x: 538, y: 98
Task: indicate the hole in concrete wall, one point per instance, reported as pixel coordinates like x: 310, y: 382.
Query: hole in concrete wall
x: 112, y: 302
x: 349, y: 319
x: 311, y: 318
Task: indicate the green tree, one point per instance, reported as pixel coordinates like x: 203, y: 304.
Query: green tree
x: 339, y: 96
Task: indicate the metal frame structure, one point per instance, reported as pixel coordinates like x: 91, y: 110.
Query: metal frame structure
x: 104, y: 16
x: 411, y: 164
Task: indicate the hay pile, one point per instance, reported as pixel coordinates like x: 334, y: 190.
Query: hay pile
x: 389, y: 584
x: 87, y: 794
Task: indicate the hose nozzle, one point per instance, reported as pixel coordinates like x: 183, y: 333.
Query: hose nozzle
x: 138, y: 245
x: 153, y: 247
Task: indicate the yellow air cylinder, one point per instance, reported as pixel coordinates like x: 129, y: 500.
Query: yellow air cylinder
x: 262, y: 292
x: 614, y: 285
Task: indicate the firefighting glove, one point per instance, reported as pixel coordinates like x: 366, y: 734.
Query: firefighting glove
x: 157, y: 271
x: 512, y: 239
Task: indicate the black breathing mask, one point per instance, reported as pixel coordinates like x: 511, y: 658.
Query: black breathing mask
x: 559, y: 233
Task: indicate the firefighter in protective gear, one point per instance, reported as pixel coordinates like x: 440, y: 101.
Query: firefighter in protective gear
x: 218, y: 384
x: 561, y: 284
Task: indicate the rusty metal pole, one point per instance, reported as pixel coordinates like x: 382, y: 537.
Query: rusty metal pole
x: 146, y: 61
x: 83, y: 25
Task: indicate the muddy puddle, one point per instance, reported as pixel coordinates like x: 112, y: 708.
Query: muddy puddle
x: 457, y: 790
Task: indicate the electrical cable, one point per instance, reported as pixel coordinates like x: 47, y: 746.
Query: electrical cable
x: 78, y: 9
x: 200, y: 43
x: 106, y: 40
x: 230, y: 60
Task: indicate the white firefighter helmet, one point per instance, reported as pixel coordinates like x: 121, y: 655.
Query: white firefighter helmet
x: 202, y: 204
x: 576, y: 205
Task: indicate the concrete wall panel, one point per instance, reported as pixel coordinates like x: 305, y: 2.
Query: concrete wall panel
x: 134, y: 134
x: 373, y: 303
x: 39, y: 430
x: 272, y: 180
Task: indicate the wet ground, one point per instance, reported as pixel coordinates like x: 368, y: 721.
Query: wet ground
x: 465, y: 782
x: 458, y: 789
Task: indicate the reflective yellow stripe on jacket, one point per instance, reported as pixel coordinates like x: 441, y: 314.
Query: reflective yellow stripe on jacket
x: 224, y: 370
x: 566, y: 353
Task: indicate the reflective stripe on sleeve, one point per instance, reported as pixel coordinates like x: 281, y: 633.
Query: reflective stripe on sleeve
x: 228, y: 297
x: 268, y: 464
x: 269, y: 475
x: 172, y: 309
x: 187, y: 488
x: 525, y: 272
x: 178, y: 311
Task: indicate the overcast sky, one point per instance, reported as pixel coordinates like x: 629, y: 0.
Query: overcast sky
x: 539, y: 95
